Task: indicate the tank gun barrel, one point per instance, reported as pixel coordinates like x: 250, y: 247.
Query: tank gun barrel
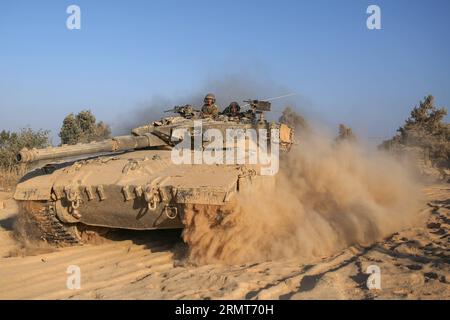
x: 116, y: 144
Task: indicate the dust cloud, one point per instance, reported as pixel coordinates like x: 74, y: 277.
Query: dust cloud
x: 327, y: 196
x: 28, y: 237
x: 227, y: 88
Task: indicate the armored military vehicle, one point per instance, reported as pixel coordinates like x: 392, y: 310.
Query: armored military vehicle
x: 133, y: 182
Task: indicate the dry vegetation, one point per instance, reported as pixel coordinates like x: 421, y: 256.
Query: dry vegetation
x: 10, y: 144
x: 80, y: 128
x: 9, y: 177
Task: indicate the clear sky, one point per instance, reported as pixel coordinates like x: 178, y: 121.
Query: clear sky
x: 129, y: 52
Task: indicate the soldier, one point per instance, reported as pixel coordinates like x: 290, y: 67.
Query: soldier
x: 210, y: 109
x: 233, y: 110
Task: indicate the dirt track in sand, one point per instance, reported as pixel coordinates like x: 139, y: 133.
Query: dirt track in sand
x: 414, y: 264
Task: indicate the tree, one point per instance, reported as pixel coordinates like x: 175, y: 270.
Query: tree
x: 83, y: 128
x: 425, y: 129
x: 86, y: 121
x: 70, y: 132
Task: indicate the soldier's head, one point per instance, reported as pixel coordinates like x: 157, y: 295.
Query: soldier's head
x: 234, y: 107
x: 210, y: 99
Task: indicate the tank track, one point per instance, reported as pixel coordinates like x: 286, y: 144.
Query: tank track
x: 37, y: 220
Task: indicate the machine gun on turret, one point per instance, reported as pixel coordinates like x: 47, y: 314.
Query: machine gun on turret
x: 258, y: 107
x: 187, y: 111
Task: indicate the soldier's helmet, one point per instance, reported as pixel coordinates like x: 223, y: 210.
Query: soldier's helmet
x: 211, y: 97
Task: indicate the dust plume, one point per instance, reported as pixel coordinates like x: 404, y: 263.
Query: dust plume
x: 327, y: 196
x: 28, y: 237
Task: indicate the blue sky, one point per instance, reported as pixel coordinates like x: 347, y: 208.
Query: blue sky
x: 129, y: 52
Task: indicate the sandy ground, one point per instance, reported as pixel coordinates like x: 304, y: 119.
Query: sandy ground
x: 414, y: 264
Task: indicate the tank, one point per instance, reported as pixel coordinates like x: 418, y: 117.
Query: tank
x: 135, y: 181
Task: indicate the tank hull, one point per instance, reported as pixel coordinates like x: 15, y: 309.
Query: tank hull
x: 140, y: 190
